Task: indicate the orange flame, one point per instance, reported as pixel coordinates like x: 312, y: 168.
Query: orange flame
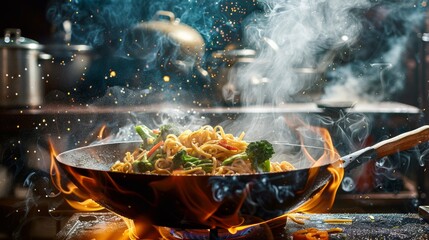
x: 82, y: 203
x: 79, y: 200
x: 323, y: 200
x: 101, y: 132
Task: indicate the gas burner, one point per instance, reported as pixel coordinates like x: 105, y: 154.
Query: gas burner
x: 260, y: 231
x: 107, y: 225
x: 202, y: 234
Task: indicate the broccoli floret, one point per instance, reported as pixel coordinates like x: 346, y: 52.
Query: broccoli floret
x: 183, y: 159
x: 259, y: 153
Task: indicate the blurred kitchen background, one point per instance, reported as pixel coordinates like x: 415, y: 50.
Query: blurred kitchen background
x: 101, y: 66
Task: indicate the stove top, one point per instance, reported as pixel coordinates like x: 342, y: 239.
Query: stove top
x: 106, y: 225
x: 367, y: 226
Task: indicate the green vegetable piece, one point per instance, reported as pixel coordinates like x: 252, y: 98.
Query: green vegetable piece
x: 182, y: 159
x: 142, y: 166
x: 188, y: 165
x: 207, y: 167
x: 265, y: 166
x: 144, y: 132
x: 168, y: 129
x: 231, y: 159
x: 178, y: 159
x: 164, y: 130
x: 258, y: 152
x: 157, y: 154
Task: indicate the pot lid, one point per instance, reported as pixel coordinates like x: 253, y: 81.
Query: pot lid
x: 13, y: 39
x: 164, y: 32
x: 235, y: 53
x: 64, y: 47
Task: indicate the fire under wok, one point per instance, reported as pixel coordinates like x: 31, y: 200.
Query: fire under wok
x: 208, y: 201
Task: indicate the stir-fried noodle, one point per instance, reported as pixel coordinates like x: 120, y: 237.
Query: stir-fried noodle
x: 208, y: 150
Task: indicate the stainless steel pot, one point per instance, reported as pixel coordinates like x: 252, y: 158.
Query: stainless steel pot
x: 20, y: 78
x: 223, y: 68
x: 65, y: 66
x: 226, y: 67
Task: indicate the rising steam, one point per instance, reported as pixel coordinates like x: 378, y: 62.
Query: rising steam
x: 297, y: 41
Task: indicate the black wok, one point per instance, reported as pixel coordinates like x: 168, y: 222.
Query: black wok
x: 201, y: 201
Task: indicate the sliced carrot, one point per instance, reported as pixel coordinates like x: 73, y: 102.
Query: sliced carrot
x: 225, y: 144
x: 154, y: 148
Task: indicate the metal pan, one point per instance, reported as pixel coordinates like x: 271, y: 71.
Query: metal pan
x: 202, y: 201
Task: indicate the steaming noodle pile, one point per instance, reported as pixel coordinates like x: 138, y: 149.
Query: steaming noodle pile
x: 208, y: 150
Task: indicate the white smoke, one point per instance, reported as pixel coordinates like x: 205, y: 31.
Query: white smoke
x: 293, y: 36
x: 297, y: 41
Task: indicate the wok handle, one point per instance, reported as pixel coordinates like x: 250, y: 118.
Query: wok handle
x: 402, y: 142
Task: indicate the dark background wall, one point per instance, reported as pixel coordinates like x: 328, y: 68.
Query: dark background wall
x: 29, y: 16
